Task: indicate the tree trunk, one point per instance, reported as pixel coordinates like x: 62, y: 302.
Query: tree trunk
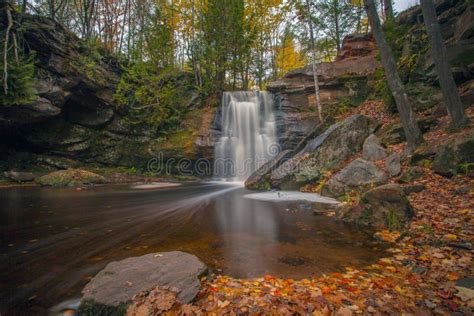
x: 388, y: 10
x: 313, y: 55
x: 412, y: 132
x: 438, y: 51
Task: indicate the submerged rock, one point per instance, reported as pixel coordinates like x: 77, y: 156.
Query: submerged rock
x: 325, y: 152
x: 113, y: 288
x: 70, y: 177
x: 383, y: 206
x: 359, y: 176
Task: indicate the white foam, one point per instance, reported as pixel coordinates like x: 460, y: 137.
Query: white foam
x: 286, y: 196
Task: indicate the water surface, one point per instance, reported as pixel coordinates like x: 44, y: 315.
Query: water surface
x: 54, y: 240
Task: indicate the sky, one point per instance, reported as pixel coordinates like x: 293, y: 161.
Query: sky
x: 401, y: 5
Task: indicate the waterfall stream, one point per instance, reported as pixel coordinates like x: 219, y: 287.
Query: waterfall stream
x: 248, y: 137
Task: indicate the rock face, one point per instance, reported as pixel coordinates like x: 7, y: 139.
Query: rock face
x: 372, y: 150
x: 347, y: 77
x: 325, y: 152
x: 358, y: 176
x: 119, y: 281
x: 383, y: 206
x: 75, y: 115
x: 455, y: 157
x: 259, y: 180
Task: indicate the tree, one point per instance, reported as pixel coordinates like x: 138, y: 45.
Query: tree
x: 388, y: 10
x: 313, y: 63
x: 410, y: 126
x: 288, y: 57
x: 438, y: 51
x: 335, y: 18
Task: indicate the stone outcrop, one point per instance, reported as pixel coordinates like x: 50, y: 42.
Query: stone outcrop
x: 358, y: 176
x: 347, y: 77
x: 384, y: 206
x: 75, y: 115
x: 116, y: 285
x: 70, y: 178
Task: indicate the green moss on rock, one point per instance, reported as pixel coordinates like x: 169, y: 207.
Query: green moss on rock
x: 70, y: 177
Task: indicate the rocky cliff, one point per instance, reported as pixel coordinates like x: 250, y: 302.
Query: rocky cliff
x: 74, y: 118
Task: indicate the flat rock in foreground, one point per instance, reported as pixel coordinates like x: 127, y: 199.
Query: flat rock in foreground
x: 119, y: 281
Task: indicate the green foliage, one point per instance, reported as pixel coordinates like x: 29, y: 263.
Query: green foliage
x: 155, y: 98
x: 20, y: 81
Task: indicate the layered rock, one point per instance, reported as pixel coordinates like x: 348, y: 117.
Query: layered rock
x: 296, y: 114
x: 74, y: 116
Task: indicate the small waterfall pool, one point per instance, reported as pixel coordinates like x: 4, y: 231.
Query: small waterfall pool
x: 248, y: 137
x: 53, y: 240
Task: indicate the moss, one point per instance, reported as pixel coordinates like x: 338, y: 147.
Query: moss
x: 70, y: 177
x: 392, y: 220
x: 92, y: 308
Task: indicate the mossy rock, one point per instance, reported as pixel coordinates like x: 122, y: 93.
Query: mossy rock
x: 455, y: 157
x: 70, y: 178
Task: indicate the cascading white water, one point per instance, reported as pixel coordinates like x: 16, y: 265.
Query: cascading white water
x: 248, y: 137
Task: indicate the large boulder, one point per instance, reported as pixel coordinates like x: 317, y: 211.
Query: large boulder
x: 325, y: 152
x: 383, y: 206
x: 455, y: 156
x: 358, y: 176
x: 372, y: 150
x: 70, y: 177
x: 114, y: 287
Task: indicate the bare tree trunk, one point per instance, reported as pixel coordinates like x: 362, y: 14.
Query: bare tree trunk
x: 388, y: 10
x: 5, y: 47
x: 410, y: 126
x: 445, y: 76
x: 313, y: 55
x: 23, y: 6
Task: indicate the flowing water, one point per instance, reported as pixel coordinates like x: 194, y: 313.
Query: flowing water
x: 53, y: 240
x: 248, y: 134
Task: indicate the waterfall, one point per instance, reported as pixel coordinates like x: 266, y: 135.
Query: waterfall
x: 248, y: 137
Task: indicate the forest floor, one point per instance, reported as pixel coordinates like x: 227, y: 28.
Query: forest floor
x: 420, y: 277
